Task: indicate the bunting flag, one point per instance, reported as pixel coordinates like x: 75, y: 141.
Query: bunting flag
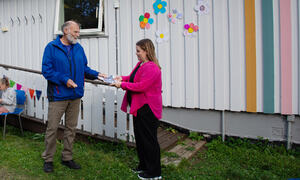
x: 19, y: 86
x: 38, y: 94
x: 31, y: 92
x: 11, y: 83
x: 24, y: 88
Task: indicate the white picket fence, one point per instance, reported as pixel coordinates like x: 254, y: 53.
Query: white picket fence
x: 100, y: 106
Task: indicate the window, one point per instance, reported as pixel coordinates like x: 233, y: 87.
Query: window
x: 89, y: 13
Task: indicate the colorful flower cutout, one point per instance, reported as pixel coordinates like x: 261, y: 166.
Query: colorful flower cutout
x: 190, y: 29
x: 145, y: 21
x: 162, y: 36
x: 202, y: 7
x: 174, y: 15
x: 159, y: 6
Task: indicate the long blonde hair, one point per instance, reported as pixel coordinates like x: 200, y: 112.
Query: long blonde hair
x: 147, y: 45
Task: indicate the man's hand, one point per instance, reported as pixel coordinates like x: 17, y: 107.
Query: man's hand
x: 0, y: 101
x: 71, y: 84
x: 101, y: 76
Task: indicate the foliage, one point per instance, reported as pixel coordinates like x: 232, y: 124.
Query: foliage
x: 195, y: 136
x: 172, y: 130
x: 234, y: 159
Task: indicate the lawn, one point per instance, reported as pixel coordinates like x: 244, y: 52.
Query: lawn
x: 234, y: 159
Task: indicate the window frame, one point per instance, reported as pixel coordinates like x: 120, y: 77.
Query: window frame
x: 83, y: 32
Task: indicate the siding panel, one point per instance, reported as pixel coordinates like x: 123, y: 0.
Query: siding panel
x: 221, y: 68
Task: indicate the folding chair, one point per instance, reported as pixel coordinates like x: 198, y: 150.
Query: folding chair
x: 21, y: 98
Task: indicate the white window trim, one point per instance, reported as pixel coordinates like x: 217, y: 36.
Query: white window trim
x: 83, y: 32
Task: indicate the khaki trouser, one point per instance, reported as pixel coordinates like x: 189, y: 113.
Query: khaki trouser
x: 55, y: 112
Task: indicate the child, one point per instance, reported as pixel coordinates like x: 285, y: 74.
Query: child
x: 8, y: 100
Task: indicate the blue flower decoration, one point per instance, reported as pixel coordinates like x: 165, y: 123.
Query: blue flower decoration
x: 159, y: 6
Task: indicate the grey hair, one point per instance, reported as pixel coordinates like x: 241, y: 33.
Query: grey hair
x: 67, y: 24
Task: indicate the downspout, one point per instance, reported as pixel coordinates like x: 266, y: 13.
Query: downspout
x: 223, y: 125
x: 117, y: 6
x: 290, y: 120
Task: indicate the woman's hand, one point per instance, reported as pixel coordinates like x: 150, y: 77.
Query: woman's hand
x: 118, y: 78
x: 116, y: 84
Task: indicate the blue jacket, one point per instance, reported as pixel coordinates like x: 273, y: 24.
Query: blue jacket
x: 59, y: 66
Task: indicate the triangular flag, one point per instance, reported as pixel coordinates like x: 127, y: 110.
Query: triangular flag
x: 11, y: 83
x: 38, y: 94
x: 19, y: 86
x: 24, y: 88
x: 31, y: 92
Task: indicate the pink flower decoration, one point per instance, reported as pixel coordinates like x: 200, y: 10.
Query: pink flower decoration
x: 190, y: 29
x: 186, y: 26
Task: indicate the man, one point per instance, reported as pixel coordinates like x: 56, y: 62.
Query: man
x: 65, y: 67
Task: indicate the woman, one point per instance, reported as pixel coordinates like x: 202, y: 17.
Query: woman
x: 143, y: 95
x: 8, y: 101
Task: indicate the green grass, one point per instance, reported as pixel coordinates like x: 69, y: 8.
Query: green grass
x: 20, y: 158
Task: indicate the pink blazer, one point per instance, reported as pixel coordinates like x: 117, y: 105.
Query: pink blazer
x: 146, y: 89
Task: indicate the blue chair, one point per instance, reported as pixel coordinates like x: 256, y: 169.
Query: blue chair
x: 21, y: 98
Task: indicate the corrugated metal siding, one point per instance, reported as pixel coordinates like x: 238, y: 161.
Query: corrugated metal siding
x: 206, y: 72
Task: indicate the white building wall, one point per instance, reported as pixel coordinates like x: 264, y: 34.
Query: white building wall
x: 205, y: 72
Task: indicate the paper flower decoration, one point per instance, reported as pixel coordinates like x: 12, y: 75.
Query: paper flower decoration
x: 161, y: 36
x: 202, y: 7
x: 174, y: 15
x: 190, y: 29
x: 145, y: 21
x: 159, y: 6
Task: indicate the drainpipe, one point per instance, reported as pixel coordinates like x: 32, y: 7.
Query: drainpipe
x: 223, y: 125
x: 290, y: 120
x: 117, y: 6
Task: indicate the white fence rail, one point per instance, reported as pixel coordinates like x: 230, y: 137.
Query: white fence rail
x: 100, y: 106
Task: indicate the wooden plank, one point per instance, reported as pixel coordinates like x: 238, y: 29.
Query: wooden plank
x: 39, y: 103
x: 276, y: 57
x: 250, y: 55
x: 34, y: 21
x: 259, y: 56
x: 109, y: 112
x: 161, y: 134
x: 221, y: 55
x: 197, y: 146
x: 87, y: 107
x: 184, y: 151
x: 177, y: 56
x: 131, y: 133
x: 206, y: 68
x: 103, y: 55
x: 268, y: 56
x: 295, y: 57
x: 285, y: 56
x: 169, y: 142
x: 191, y: 59
x: 125, y: 32
x: 163, y: 53
x: 121, y: 117
x: 298, y: 6
x: 111, y: 30
x: 237, y: 55
x: 2, y: 34
x: 93, y: 60
x: 97, y: 110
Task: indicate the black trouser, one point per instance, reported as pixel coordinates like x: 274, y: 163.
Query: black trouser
x: 145, y: 131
